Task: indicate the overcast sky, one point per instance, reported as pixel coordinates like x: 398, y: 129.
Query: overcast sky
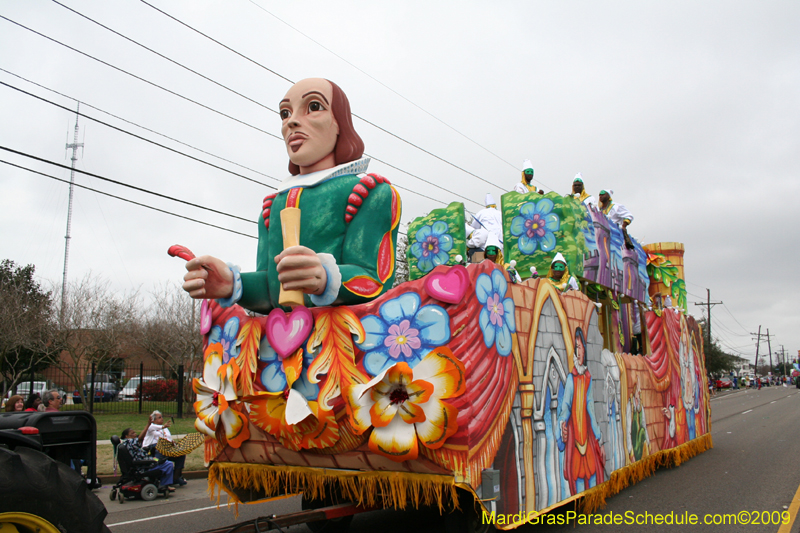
x: 689, y: 111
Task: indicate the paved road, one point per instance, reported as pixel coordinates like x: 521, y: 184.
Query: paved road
x: 752, y: 467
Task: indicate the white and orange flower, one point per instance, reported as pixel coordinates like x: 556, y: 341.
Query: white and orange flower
x: 405, y: 406
x: 218, y: 414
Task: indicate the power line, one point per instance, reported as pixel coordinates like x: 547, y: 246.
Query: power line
x: 187, y: 155
x: 235, y: 119
x: 733, y: 317
x: 354, y: 114
x: 140, y: 126
x: 218, y: 42
x: 127, y: 185
x: 123, y: 184
x: 145, y: 138
x: 129, y: 201
x: 181, y: 65
x: 391, y: 90
x: 142, y: 79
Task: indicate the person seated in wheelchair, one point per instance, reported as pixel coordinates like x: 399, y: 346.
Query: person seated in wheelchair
x: 137, y: 462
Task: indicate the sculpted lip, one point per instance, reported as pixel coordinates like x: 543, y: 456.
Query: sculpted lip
x: 295, y: 141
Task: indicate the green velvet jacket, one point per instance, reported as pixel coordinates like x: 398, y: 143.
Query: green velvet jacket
x: 354, y: 218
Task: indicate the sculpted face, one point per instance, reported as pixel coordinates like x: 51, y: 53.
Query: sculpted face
x: 309, y: 128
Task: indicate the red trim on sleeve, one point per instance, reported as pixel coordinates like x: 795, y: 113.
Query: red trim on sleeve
x: 363, y: 286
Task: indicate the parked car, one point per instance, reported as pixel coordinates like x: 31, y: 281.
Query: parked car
x: 129, y: 391
x: 39, y: 387
x: 724, y: 383
x: 103, y: 392
x: 764, y: 380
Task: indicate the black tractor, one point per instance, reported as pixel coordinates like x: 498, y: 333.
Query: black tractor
x: 41, y: 487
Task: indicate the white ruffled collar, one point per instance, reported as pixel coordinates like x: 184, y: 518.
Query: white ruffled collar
x: 358, y: 166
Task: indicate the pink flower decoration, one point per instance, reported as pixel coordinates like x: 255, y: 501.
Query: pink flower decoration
x: 495, y: 308
x: 535, y: 226
x: 402, y: 338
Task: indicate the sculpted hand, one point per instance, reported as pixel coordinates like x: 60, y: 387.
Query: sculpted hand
x: 563, y: 431
x: 208, y: 277
x: 300, y: 269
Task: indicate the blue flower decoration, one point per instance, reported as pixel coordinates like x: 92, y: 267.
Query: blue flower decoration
x: 273, y: 377
x: 535, y: 225
x: 431, y: 246
x: 403, y: 332
x: 227, y: 338
x: 497, y: 312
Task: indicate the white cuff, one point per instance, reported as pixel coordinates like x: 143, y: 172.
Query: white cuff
x: 334, y: 281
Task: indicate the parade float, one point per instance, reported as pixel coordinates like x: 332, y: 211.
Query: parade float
x: 458, y: 388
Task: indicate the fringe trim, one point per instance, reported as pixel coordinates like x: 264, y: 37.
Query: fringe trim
x: 595, y: 498
x: 397, y: 490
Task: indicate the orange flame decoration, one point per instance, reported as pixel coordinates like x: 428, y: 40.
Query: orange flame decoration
x: 334, y: 328
x: 319, y: 430
x: 247, y: 361
x: 268, y: 411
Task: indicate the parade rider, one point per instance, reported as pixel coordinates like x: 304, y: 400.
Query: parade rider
x: 524, y: 186
x: 559, y: 275
x: 579, y: 193
x: 489, y: 219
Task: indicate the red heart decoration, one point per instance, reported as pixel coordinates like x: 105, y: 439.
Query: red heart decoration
x: 287, y: 333
x: 448, y: 286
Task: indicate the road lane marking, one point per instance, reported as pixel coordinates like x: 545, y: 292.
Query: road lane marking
x: 160, y: 516
x: 793, y: 507
x: 773, y: 401
x: 747, y: 411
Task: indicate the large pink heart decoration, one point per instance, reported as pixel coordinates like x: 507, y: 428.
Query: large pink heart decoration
x: 287, y: 333
x: 448, y: 286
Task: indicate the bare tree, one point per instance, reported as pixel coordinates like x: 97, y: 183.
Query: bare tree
x: 27, y: 323
x: 169, y: 330
x: 95, y: 326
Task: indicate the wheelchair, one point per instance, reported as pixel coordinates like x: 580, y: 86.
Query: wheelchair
x: 137, y: 478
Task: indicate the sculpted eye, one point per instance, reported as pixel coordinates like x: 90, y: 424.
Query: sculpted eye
x: 285, y: 113
x: 315, y: 106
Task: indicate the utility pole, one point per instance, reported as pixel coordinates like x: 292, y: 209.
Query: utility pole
x: 758, y: 343
x: 74, y: 146
x: 709, y: 304
x: 783, y: 360
x: 770, y: 351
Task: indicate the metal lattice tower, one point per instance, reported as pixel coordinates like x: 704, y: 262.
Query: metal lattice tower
x: 74, y: 146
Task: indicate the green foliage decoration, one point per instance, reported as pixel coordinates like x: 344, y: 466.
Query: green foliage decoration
x: 569, y: 236
x: 427, y: 234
